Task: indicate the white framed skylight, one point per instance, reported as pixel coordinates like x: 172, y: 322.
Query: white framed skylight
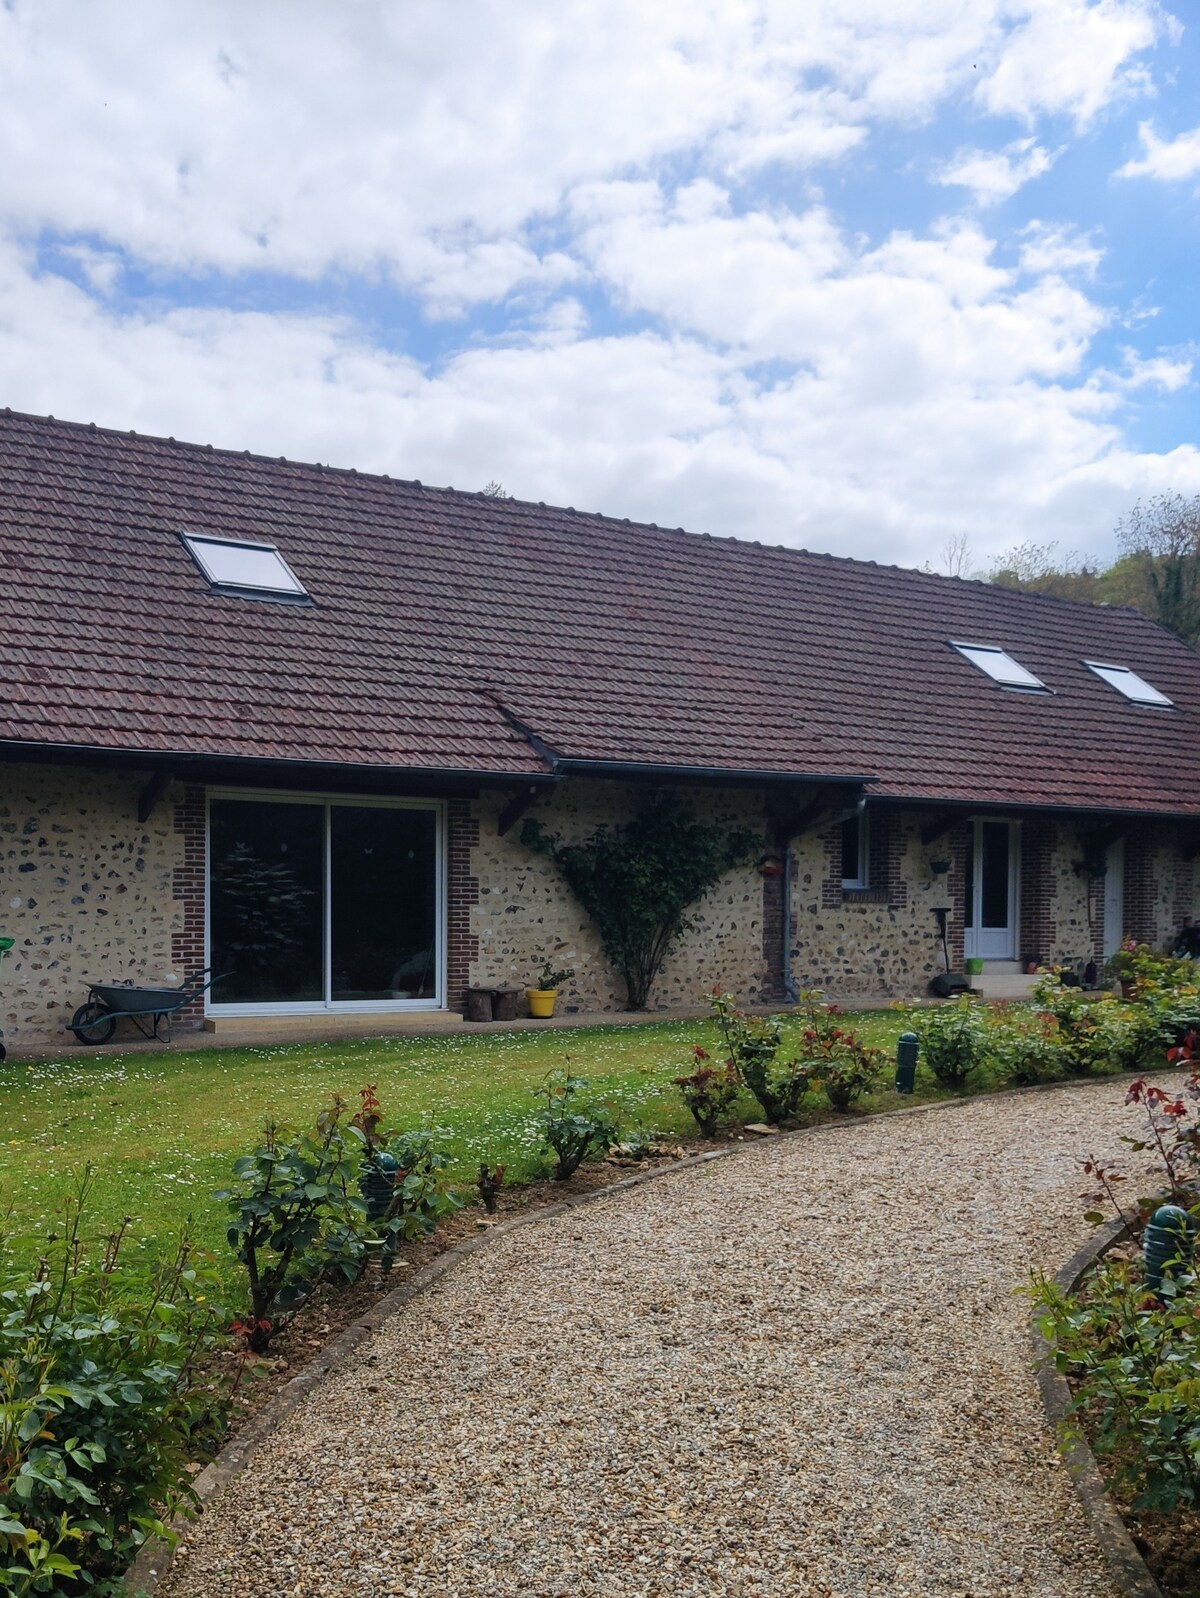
x: 1000, y: 666
x: 1136, y: 689
x: 244, y: 567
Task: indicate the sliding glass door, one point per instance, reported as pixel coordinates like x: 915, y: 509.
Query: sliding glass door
x: 324, y: 903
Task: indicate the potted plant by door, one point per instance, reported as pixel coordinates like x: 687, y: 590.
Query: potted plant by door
x: 541, y: 998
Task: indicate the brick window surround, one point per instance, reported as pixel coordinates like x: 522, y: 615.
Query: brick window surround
x: 462, y: 893
x: 188, y: 891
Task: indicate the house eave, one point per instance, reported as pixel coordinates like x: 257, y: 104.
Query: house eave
x: 270, y: 772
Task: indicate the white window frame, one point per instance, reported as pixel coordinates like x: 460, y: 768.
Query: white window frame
x: 863, y: 879
x: 212, y: 1001
x: 1158, y: 702
x: 1026, y: 684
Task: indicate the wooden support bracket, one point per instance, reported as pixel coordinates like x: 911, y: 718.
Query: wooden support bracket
x: 152, y: 793
x: 514, y: 810
x: 795, y: 823
x: 1098, y: 842
x: 940, y: 825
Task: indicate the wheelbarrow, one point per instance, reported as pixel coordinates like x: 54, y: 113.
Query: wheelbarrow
x: 147, y: 1008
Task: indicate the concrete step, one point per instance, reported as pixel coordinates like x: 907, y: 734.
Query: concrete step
x: 1003, y: 984
x: 237, y: 1029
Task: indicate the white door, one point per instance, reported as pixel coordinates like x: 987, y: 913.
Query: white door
x: 990, y: 928
x: 1114, y: 897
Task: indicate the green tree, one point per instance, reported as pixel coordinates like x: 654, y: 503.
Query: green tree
x: 1038, y: 569
x: 1161, y: 538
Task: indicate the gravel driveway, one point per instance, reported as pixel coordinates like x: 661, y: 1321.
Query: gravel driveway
x: 803, y: 1370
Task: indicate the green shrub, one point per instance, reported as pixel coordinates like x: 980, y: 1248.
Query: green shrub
x: 953, y: 1038
x: 1021, y: 1045
x: 845, y: 1066
x: 752, y: 1043
x: 573, y: 1130
x: 422, y: 1193
x: 297, y: 1216
x: 1134, y: 1355
x: 103, y: 1403
x: 1084, y: 1035
x: 710, y: 1090
x: 1135, y: 1362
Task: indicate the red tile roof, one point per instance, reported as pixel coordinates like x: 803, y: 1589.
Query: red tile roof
x: 448, y: 625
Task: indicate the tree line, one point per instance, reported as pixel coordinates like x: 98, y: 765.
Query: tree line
x: 1157, y: 569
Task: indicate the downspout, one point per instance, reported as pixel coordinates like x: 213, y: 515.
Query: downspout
x: 788, y: 981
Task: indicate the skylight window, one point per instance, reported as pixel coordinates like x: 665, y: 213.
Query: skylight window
x: 1136, y: 689
x: 1000, y: 667
x: 251, y: 570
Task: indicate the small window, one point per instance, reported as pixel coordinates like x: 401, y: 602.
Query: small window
x: 1000, y: 667
x: 1136, y: 689
x: 854, y: 851
x: 251, y: 570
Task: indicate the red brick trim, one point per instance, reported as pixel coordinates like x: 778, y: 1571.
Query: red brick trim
x: 1185, y: 880
x: 957, y: 844
x: 1038, y: 889
x: 886, y: 844
x: 188, y: 889
x: 462, y: 892
x: 1140, y: 845
x: 772, y: 932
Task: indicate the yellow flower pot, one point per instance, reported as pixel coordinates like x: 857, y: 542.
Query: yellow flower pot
x: 541, y: 1002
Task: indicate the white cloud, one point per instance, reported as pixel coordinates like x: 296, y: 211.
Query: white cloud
x: 1163, y: 372
x: 1170, y: 160
x: 1073, y: 58
x: 1049, y: 247
x: 100, y: 269
x: 911, y: 313
x: 996, y: 175
x: 429, y: 143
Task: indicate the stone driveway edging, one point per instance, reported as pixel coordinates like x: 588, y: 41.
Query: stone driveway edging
x: 1129, y: 1570
x: 156, y: 1556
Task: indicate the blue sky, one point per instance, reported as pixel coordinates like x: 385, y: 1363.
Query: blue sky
x: 858, y: 275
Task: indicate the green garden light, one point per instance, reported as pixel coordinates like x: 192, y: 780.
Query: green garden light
x: 1168, y: 1243
x: 908, y: 1046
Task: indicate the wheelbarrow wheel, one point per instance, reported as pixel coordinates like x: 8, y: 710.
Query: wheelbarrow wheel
x: 92, y: 1023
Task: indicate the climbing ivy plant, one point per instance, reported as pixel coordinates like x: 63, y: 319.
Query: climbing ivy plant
x: 639, y: 881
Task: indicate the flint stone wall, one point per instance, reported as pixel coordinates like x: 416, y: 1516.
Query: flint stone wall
x: 526, y: 913
x: 86, y: 891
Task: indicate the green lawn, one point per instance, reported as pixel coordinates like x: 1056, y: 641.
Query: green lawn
x: 162, y: 1129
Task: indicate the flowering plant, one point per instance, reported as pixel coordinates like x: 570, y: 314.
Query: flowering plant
x: 845, y: 1066
x: 710, y: 1089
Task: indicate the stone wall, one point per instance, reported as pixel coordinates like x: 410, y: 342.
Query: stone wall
x: 882, y: 940
x: 526, y: 913
x: 87, y: 892
x: 1075, y: 929
x: 1160, y: 886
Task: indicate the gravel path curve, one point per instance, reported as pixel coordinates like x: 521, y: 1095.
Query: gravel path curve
x: 800, y: 1371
